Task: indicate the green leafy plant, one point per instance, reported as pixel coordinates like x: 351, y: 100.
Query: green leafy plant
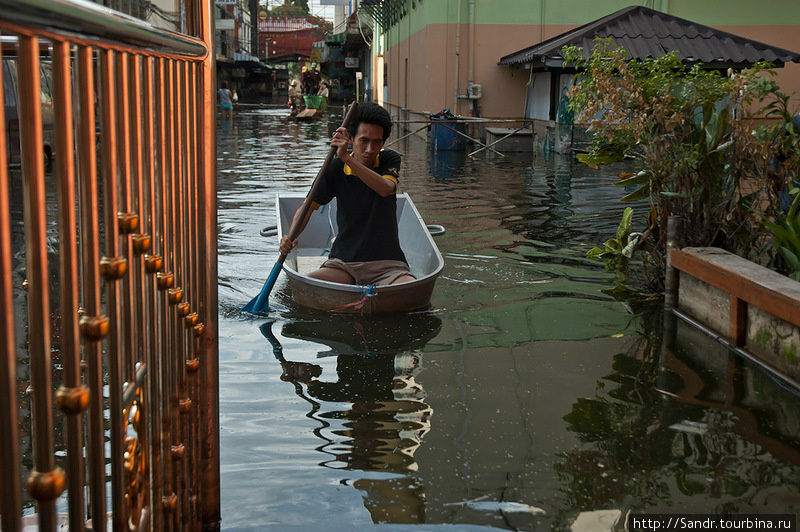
x: 624, y: 242
x: 689, y: 133
x: 786, y: 231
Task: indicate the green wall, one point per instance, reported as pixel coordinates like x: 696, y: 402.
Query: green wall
x: 577, y: 12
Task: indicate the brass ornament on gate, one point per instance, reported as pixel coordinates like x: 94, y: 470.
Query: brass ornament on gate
x: 193, y: 365
x: 165, y: 280
x: 113, y: 268
x: 46, y: 486
x: 141, y: 243
x: 130, y: 453
x: 73, y: 400
x: 169, y: 502
x: 94, y: 328
x: 128, y: 222
x: 183, y: 309
x: 134, y: 458
x: 177, y: 451
x: 134, y: 414
x: 191, y: 319
x: 153, y: 263
x: 175, y: 295
x: 184, y: 405
x: 199, y: 329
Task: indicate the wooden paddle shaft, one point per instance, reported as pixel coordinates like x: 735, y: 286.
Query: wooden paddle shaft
x: 294, y: 230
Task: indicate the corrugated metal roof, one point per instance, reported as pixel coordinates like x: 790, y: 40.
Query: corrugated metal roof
x: 280, y: 25
x: 645, y: 32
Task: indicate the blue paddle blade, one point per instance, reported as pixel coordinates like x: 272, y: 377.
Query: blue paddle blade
x: 260, y: 303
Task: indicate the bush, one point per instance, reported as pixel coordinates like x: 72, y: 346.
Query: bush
x: 700, y: 156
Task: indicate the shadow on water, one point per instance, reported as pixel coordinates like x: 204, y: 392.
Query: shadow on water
x: 526, y: 398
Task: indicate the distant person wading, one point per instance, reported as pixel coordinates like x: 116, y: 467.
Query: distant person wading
x: 225, y: 101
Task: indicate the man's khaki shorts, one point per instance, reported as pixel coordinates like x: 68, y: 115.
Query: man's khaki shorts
x: 377, y: 272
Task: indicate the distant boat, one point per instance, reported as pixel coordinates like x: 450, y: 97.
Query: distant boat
x: 315, y: 107
x: 314, y: 244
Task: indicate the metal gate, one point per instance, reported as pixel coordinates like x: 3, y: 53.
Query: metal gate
x: 108, y: 331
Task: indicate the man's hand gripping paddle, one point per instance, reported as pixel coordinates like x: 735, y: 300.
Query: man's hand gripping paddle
x: 260, y: 303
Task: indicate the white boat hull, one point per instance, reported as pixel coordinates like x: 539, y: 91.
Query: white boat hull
x: 314, y: 244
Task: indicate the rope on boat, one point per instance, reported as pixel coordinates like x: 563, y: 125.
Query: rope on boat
x: 367, y: 291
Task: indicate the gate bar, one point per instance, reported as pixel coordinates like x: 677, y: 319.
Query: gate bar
x: 164, y: 282
x: 190, y: 367
x: 168, y: 216
x: 183, y: 165
x: 127, y: 218
x: 94, y: 325
x: 115, y: 268
x: 142, y: 242
x: 45, y: 482
x: 10, y: 499
x: 73, y: 396
x: 154, y: 264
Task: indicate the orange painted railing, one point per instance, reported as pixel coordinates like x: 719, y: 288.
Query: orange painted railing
x: 124, y: 430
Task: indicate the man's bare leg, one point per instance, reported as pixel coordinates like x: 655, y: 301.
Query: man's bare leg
x: 333, y: 275
x: 404, y: 279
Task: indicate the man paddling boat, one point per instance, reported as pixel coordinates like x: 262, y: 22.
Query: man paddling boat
x: 364, y: 183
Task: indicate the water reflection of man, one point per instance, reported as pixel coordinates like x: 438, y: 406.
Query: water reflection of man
x: 387, y: 415
x: 364, y: 183
x: 384, y: 426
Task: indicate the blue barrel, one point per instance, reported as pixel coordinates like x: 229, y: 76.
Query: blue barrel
x: 444, y: 136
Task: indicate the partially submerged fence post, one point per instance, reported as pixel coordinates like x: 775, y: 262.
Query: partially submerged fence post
x: 671, y: 278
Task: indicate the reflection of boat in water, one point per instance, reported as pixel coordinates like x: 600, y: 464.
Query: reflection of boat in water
x: 353, y: 335
x: 314, y: 244
x: 372, y: 412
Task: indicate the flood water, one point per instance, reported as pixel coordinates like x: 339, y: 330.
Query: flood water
x: 526, y: 398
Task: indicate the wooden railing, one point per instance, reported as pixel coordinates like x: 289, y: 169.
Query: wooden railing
x: 131, y: 231
x: 725, y: 273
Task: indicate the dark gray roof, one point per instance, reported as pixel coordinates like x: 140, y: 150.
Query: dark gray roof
x: 645, y: 33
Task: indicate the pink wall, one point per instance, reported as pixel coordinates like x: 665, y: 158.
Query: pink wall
x: 432, y: 65
x: 787, y: 37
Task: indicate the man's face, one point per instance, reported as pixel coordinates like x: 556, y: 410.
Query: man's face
x: 367, y: 143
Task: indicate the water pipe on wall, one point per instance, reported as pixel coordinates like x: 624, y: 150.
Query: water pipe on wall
x: 471, y: 43
x: 541, y: 20
x: 458, y: 56
x: 473, y: 90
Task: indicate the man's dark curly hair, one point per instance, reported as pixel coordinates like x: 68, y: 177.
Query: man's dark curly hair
x: 371, y: 113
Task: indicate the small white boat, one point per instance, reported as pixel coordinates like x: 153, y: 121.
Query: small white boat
x: 315, y: 242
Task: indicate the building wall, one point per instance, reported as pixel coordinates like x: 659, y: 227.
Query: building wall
x: 423, y: 44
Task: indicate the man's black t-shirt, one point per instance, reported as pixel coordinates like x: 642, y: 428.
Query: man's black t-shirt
x: 367, y: 222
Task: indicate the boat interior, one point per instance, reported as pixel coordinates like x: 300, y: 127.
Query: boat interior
x: 316, y: 240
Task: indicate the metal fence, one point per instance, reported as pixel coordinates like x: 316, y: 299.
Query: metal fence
x: 108, y: 331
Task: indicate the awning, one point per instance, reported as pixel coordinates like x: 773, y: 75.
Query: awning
x: 239, y: 57
x: 645, y: 32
